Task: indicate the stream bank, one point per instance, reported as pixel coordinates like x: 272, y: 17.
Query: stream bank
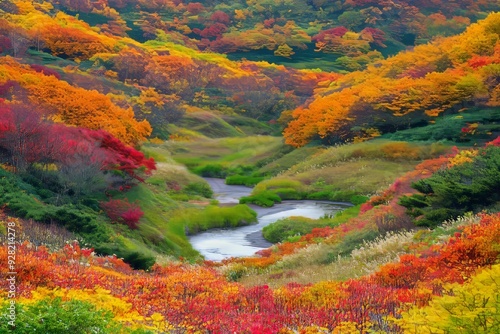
x: 218, y: 244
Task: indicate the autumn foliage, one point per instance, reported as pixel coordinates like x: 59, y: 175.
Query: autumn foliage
x: 122, y: 211
x: 180, y: 297
x: 26, y: 138
x: 79, y: 94
x: 73, y: 105
x: 447, y: 75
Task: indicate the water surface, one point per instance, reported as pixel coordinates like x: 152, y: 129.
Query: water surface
x: 218, y: 244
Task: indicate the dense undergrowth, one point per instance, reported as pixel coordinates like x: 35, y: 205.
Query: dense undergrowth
x: 397, y: 297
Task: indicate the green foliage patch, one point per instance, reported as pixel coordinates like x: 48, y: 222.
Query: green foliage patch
x: 22, y: 200
x: 55, y: 316
x: 199, y: 188
x: 268, y: 192
x: 338, y: 195
x: 449, y: 128
x: 288, y: 229
x: 265, y: 199
x: 449, y: 193
x: 244, y: 180
x: 77, y: 218
x: 195, y: 220
x: 212, y: 170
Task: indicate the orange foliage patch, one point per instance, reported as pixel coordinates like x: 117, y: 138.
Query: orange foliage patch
x: 75, y: 106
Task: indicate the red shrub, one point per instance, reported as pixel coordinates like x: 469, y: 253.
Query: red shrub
x: 122, y: 211
x: 45, y: 70
x: 494, y: 142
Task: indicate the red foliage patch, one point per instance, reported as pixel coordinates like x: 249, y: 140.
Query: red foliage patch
x: 124, y: 212
x: 336, y: 32
x: 45, y: 70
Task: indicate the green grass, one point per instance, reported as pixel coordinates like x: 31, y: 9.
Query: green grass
x: 264, y: 198
x: 209, y: 124
x: 155, y: 230
x: 225, y: 151
x: 291, y: 227
x: 55, y: 315
x: 289, y: 159
x: 244, y: 180
x: 158, y: 152
x: 197, y: 220
x: 167, y: 218
x: 361, y: 176
x: 369, y: 150
x: 168, y: 171
x: 250, y: 126
x: 343, y: 173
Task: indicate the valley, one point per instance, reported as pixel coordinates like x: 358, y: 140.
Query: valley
x: 253, y: 167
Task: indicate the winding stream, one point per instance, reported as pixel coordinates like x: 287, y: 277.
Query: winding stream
x: 218, y: 244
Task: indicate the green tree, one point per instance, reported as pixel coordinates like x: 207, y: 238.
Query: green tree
x: 451, y: 192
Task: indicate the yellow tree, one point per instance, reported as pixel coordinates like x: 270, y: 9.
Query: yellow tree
x: 284, y: 51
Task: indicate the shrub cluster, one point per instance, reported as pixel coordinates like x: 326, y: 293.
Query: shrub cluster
x: 199, y: 188
x: 124, y: 212
x: 244, y: 180
x: 451, y: 192
x: 58, y: 316
x: 22, y: 200
x: 265, y: 199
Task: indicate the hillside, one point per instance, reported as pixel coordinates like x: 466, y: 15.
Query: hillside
x: 112, y: 112
x: 335, y: 35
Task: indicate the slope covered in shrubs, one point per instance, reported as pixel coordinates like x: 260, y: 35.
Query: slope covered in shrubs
x: 180, y: 297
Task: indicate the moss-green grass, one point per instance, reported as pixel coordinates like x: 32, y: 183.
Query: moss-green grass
x: 209, y: 124
x: 290, y: 159
x: 225, y: 151
x: 212, y: 124
x: 339, y: 173
x: 159, y: 230
x: 196, y: 220
x: 287, y: 228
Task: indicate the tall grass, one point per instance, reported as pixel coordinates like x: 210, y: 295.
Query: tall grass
x: 307, y: 265
x: 374, y: 149
x: 51, y: 235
